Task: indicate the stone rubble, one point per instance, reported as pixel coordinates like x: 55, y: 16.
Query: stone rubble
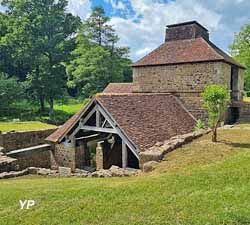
x: 114, y: 171
x: 160, y: 149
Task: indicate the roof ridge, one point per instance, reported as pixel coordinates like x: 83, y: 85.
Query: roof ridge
x: 130, y: 94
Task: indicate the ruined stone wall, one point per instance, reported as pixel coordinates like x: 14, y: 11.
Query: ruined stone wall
x: 63, y: 155
x: 23, y: 139
x: 183, y: 77
x: 34, y: 159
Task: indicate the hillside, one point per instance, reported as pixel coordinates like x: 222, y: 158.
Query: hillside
x: 201, y: 183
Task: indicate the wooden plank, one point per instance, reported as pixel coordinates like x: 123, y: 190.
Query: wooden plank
x: 97, y: 118
x: 124, y: 155
x: 99, y: 129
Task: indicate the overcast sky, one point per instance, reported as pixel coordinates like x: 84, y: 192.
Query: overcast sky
x: 140, y: 24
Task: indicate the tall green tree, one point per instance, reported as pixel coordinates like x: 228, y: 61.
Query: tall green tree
x: 97, y: 60
x: 44, y: 31
x: 240, y: 49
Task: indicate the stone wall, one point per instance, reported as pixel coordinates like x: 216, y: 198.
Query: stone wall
x: 190, y: 77
x: 193, y: 103
x: 34, y: 159
x: 188, y: 31
x: 63, y: 155
x: 23, y: 139
x: 186, y: 81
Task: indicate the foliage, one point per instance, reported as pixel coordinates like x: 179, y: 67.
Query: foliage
x: 41, y: 32
x: 10, y: 92
x: 215, y: 98
x: 240, y: 49
x: 201, y: 183
x: 199, y: 125
x: 96, y: 60
x: 24, y: 110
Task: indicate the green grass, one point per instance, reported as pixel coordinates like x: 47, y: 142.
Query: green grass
x: 22, y: 126
x: 69, y: 108
x: 201, y: 183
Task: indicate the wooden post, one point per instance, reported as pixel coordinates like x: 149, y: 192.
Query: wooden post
x: 124, y: 155
x: 97, y: 118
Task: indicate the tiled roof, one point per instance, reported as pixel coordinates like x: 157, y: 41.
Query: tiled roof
x: 148, y: 118
x: 118, y: 88
x: 145, y: 118
x: 185, y: 51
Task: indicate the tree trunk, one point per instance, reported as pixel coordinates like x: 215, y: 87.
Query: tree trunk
x: 214, y: 135
x: 214, y: 132
x: 42, y: 104
x: 51, y: 106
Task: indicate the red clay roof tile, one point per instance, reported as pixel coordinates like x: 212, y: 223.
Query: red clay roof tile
x: 185, y: 51
x: 145, y: 118
x: 118, y: 88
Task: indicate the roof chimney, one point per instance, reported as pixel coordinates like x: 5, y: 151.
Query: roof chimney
x: 187, y: 30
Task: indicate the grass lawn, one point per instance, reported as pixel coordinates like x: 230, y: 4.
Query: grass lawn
x: 69, y: 108
x: 201, y: 183
x: 21, y: 126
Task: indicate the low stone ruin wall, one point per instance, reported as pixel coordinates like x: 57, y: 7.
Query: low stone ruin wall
x: 38, y: 156
x: 23, y: 139
x: 156, y: 153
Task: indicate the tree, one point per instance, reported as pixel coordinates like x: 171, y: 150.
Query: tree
x: 96, y: 60
x: 97, y: 30
x: 215, y: 98
x: 10, y: 91
x: 240, y: 49
x: 46, y: 32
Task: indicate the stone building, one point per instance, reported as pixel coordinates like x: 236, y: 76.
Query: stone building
x: 163, y: 101
x: 185, y: 64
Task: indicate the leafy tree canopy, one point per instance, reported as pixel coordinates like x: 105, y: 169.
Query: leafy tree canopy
x: 240, y: 49
x: 97, y: 60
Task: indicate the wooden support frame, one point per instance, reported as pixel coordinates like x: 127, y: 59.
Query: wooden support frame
x: 100, y: 127
x: 124, y: 155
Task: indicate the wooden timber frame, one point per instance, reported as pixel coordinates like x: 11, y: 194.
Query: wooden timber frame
x: 109, y: 126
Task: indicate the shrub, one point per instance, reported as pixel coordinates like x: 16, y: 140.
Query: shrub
x: 215, y: 98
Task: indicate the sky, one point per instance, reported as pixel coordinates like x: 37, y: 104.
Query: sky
x: 141, y: 24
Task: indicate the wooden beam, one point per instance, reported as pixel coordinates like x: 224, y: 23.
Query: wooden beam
x: 86, y: 137
x: 89, y: 115
x: 124, y: 155
x: 119, y: 132
x: 99, y: 129
x: 97, y: 118
x: 103, y: 124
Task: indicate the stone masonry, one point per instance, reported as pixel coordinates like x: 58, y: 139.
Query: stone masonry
x: 186, y: 81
